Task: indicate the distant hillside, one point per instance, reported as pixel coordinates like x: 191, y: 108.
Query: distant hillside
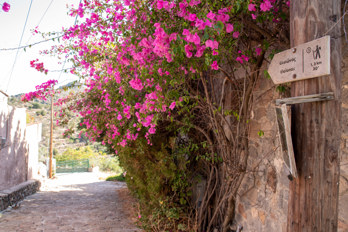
x: 38, y: 111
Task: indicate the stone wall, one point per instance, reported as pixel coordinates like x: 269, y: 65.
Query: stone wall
x: 13, y: 156
x: 19, y: 153
x: 262, y: 204
x: 4, y: 109
x: 33, y: 137
x: 263, y: 198
x: 17, y: 193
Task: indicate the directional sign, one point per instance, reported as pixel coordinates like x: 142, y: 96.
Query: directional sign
x: 305, y: 61
x: 285, y: 139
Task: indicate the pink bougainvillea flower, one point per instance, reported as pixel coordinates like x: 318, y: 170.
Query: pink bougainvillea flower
x: 152, y: 130
x: 240, y: 59
x: 200, y: 24
x: 196, y: 39
x: 211, y: 15
x: 192, y: 17
x: 215, y: 53
x: 288, y: 3
x: 258, y: 51
x: 245, y: 58
x: 6, y: 7
x: 194, y: 3
x: 251, y: 7
x: 214, y: 65
x: 186, y: 32
x: 253, y: 16
x: 235, y: 34
x: 265, y: 6
x: 172, y: 106
x: 208, y: 23
x: 229, y: 28
x: 136, y: 84
x: 159, y: 4
x: 172, y: 36
x: 222, y: 17
x: 188, y: 49
x: 212, y: 44
x: 200, y: 50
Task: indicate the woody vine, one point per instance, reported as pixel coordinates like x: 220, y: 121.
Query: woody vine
x: 174, y: 81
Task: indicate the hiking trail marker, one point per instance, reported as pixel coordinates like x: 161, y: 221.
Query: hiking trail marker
x: 305, y: 61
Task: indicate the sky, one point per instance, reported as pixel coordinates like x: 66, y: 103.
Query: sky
x: 24, y: 78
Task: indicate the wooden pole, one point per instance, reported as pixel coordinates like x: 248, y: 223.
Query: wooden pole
x: 51, y: 139
x: 313, y: 197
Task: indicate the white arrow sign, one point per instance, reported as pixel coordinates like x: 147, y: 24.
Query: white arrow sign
x: 305, y: 61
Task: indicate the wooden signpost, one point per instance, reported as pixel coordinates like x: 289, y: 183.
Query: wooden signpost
x: 305, y: 61
x: 315, y: 113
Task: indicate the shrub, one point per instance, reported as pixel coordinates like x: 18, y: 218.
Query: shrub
x: 119, y: 177
x: 159, y: 176
x: 106, y: 163
x: 36, y: 105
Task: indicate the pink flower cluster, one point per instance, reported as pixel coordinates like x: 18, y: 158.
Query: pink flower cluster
x: 42, y: 91
x: 265, y: 6
x: 38, y: 66
x: 6, y: 7
x: 132, y: 56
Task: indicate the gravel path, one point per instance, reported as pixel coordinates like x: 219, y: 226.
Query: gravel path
x: 72, y: 202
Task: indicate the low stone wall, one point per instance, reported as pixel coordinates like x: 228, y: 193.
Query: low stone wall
x: 17, y: 193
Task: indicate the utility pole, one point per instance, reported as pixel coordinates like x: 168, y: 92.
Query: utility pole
x: 51, y: 139
x: 313, y: 197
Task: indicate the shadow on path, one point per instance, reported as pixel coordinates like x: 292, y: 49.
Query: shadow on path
x: 65, y: 205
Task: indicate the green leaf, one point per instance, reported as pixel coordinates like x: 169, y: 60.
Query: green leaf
x: 261, y: 133
x: 206, y: 34
x: 266, y: 74
x: 266, y: 44
x: 207, y: 60
x: 281, y: 88
x: 236, y: 115
x: 238, y: 6
x: 219, y: 25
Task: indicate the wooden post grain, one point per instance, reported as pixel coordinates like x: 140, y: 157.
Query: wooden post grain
x: 313, y: 197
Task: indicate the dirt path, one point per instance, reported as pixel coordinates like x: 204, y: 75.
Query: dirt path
x: 72, y: 202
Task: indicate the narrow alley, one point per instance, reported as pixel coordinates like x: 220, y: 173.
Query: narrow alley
x: 72, y: 202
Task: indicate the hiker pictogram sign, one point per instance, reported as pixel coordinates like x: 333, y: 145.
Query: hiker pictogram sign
x: 305, y: 61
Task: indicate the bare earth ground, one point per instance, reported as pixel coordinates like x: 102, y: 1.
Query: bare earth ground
x: 72, y: 202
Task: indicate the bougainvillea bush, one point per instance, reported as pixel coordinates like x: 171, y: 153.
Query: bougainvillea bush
x: 184, y: 70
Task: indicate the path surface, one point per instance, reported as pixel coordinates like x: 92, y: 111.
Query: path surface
x: 72, y: 202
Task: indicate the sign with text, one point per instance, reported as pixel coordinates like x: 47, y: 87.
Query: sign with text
x: 305, y: 61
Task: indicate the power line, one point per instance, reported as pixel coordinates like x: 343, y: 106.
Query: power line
x: 29, y: 45
x: 45, y: 12
x: 14, y: 63
x: 41, y: 19
x: 33, y: 44
x: 60, y: 74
